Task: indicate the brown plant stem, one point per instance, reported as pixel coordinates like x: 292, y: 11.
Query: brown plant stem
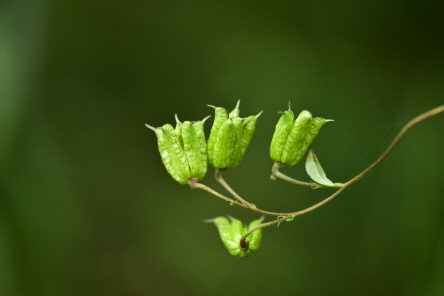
x: 218, y: 176
x: 275, y: 171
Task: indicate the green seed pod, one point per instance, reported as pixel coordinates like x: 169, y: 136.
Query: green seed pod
x: 183, y: 150
x: 201, y: 147
x: 248, y: 129
x: 231, y: 232
x: 221, y: 116
x: 235, y: 157
x: 236, y: 111
x: 225, y: 139
x: 292, y: 139
x: 255, y: 238
x: 229, y: 137
x: 280, y: 136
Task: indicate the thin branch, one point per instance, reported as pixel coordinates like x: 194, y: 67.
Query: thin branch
x: 395, y: 142
x: 218, y: 176
x: 243, y: 245
x: 275, y: 172
x: 194, y: 184
x: 285, y: 216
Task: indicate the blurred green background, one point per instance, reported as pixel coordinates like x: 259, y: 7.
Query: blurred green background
x: 87, y: 207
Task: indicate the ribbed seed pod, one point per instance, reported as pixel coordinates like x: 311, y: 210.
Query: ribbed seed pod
x: 235, y: 157
x: 229, y: 137
x: 173, y: 154
x: 280, y: 136
x: 201, y: 147
x: 225, y: 138
x: 183, y: 150
x: 231, y: 232
x: 255, y: 238
x: 248, y: 129
x: 292, y: 139
x: 220, y: 117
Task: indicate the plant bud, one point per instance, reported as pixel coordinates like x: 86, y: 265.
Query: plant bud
x: 292, y: 138
x: 183, y: 150
x: 231, y: 232
x: 229, y: 137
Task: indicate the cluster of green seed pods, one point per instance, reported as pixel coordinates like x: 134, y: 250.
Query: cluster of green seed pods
x: 185, y: 154
x: 292, y: 138
x: 229, y: 137
x: 183, y: 149
x: 231, y: 231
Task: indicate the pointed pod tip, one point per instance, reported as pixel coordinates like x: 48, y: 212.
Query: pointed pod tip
x: 329, y: 120
x: 176, y: 117
x: 208, y: 220
x: 259, y: 114
x: 214, y: 107
x: 203, y: 120
x: 289, y: 105
x: 237, y: 105
x: 150, y: 127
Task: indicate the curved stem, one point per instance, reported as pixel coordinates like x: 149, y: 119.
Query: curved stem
x: 218, y: 176
x: 401, y: 133
x: 194, y: 184
x: 243, y: 245
x: 398, y: 137
x: 395, y: 142
x: 285, y: 216
x: 275, y: 172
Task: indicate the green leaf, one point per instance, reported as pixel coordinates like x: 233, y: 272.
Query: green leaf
x: 315, y: 171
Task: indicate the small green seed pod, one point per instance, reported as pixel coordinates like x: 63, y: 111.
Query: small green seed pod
x: 220, y: 117
x: 248, y: 131
x: 174, y: 155
x: 236, y: 111
x: 223, y: 145
x: 192, y: 149
x: 237, y: 230
x: 255, y: 238
x: 232, y: 231
x: 202, y: 147
x: 291, y: 140
x: 236, y: 156
x: 224, y: 227
x: 183, y: 150
x: 280, y: 136
x: 229, y: 137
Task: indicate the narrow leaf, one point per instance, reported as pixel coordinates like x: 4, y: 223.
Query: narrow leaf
x: 315, y: 171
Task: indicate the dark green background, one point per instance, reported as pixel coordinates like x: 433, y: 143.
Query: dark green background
x: 87, y: 207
